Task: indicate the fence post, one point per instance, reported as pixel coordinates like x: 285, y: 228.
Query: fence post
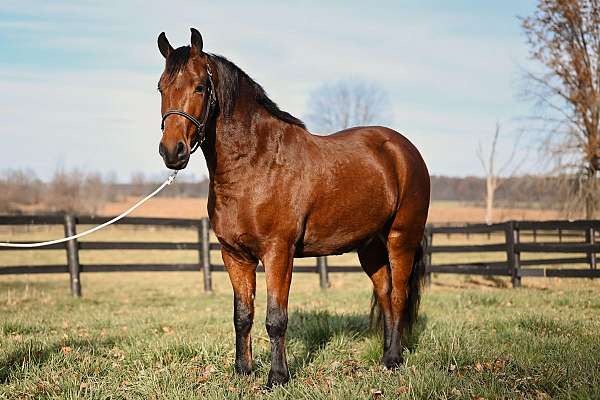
x: 323, y: 272
x: 204, y: 238
x: 590, y: 238
x: 428, y: 241
x: 559, y: 235
x: 72, y: 248
x: 512, y: 256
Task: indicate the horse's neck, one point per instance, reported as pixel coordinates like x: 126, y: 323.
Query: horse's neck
x: 247, y: 141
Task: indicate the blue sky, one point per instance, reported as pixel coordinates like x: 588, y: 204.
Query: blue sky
x: 78, y: 78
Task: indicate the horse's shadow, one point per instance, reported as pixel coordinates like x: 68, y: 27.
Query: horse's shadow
x: 316, y: 329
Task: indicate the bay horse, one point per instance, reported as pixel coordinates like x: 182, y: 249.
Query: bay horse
x: 277, y: 192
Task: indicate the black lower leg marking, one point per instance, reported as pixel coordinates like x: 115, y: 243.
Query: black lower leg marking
x: 276, y: 324
x: 243, y: 316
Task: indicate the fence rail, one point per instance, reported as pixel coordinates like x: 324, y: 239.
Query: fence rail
x: 518, y: 237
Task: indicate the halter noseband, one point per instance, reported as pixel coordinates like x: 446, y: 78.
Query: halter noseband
x: 200, y: 126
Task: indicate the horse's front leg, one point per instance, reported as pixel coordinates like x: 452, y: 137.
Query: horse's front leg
x: 278, y: 262
x: 243, y: 279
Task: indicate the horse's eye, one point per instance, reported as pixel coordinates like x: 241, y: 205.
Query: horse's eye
x: 199, y: 89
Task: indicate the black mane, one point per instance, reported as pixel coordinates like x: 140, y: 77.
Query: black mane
x: 230, y: 76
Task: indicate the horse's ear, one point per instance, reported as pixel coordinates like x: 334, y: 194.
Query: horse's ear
x: 196, y: 43
x: 164, y: 46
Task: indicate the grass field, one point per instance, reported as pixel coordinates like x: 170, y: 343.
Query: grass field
x: 156, y: 335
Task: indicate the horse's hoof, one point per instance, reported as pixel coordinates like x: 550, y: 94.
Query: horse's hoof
x: 277, y: 378
x: 392, y: 362
x: 243, y: 369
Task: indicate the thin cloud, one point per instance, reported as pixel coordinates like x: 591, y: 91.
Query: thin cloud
x: 448, y: 71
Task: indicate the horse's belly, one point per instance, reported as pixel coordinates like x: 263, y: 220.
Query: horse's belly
x: 342, y: 228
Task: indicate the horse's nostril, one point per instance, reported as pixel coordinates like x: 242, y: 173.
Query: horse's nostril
x: 181, y: 153
x: 161, y: 149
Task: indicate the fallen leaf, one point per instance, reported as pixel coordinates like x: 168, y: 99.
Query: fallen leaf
x: 376, y: 393
x: 539, y: 395
x: 206, y: 373
x: 499, y: 364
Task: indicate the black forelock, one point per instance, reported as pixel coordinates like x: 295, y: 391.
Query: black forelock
x: 230, y: 76
x: 177, y: 60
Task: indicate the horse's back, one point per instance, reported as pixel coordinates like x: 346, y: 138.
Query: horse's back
x: 377, y: 140
x: 382, y: 148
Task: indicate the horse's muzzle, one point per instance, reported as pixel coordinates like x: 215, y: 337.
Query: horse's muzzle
x: 176, y: 157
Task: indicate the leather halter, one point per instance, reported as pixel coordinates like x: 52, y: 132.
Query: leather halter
x: 200, y: 126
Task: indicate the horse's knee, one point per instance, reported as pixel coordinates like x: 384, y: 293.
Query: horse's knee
x: 276, y: 322
x: 243, y: 316
x: 243, y: 322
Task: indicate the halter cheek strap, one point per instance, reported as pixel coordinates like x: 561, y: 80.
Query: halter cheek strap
x: 200, y: 126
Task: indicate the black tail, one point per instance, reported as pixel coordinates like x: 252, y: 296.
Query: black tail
x: 414, y: 288
x: 413, y: 296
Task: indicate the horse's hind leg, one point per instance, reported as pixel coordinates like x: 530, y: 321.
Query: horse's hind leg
x: 405, y: 256
x: 373, y: 258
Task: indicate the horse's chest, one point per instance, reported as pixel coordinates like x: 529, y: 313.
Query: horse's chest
x: 234, y: 226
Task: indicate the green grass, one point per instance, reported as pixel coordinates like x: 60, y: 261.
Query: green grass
x: 156, y: 335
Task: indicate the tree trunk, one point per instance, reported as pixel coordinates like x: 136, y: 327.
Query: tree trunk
x: 589, y: 206
x: 591, y: 191
x: 490, y: 186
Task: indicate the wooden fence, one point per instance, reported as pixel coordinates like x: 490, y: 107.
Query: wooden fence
x: 517, y: 238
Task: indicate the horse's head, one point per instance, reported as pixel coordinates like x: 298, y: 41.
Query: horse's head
x: 187, y: 93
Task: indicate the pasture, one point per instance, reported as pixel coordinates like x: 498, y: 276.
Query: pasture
x: 157, y: 335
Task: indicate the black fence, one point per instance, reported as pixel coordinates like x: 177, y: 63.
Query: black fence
x: 514, y: 238
x: 519, y: 238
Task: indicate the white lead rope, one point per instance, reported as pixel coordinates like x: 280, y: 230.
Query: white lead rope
x: 166, y: 183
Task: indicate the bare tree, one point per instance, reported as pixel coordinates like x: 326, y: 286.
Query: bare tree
x: 564, y: 37
x: 94, y: 193
x: 138, y: 183
x: 347, y: 103
x: 17, y: 189
x: 494, y: 178
x: 75, y: 192
x: 64, y: 192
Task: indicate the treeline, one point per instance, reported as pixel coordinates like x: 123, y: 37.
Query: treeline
x: 522, y: 191
x: 86, y: 193
x: 22, y: 192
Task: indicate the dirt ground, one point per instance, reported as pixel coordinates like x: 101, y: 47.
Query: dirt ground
x: 439, y: 212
